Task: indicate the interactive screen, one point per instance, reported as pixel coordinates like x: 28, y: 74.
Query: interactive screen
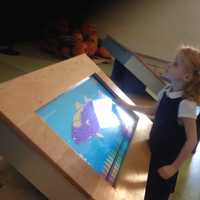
x: 87, y: 118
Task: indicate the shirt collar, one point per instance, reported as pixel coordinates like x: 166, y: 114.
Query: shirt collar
x: 173, y: 94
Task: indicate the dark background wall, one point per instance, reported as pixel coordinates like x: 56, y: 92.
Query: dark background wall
x: 20, y: 20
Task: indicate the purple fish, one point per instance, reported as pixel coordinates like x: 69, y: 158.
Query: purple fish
x: 89, y: 126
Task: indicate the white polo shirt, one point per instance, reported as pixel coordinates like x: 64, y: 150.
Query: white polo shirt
x: 187, y: 108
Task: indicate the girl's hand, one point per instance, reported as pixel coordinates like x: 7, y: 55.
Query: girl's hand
x: 167, y: 171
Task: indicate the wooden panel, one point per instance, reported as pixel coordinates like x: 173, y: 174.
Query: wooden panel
x: 35, y: 168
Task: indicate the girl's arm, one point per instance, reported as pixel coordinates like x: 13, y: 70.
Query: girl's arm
x: 148, y: 110
x: 191, y: 134
x: 168, y: 171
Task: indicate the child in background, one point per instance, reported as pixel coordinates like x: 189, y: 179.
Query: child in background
x: 174, y: 133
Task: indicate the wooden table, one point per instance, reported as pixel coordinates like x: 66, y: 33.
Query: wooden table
x: 45, y: 159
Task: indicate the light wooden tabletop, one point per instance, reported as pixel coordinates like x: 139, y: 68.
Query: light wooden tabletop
x: 21, y: 97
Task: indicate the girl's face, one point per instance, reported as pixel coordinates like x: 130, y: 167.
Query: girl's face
x: 175, y: 71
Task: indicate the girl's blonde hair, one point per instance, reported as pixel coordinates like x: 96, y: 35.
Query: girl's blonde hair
x: 191, y: 59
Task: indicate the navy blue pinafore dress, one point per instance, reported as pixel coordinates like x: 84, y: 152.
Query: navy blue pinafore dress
x: 167, y: 138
